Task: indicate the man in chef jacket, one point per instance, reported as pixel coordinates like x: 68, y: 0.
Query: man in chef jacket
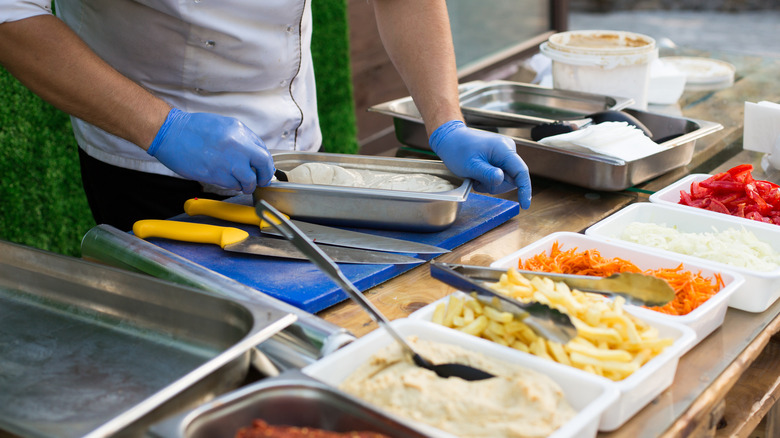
x: 177, y: 99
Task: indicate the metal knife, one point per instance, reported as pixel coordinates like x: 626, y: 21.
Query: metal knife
x: 321, y: 234
x: 238, y: 240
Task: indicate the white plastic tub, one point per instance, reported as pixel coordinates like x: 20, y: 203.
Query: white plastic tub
x: 588, y: 395
x: 613, y: 63
x: 703, y: 320
x: 759, y: 290
x: 670, y: 196
x: 636, y: 390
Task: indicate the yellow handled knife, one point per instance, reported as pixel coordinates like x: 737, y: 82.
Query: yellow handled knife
x: 238, y: 240
x: 320, y: 234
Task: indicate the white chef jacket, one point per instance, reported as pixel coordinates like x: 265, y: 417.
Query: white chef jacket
x: 249, y: 59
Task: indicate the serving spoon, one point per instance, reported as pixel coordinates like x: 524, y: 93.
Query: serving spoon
x: 329, y: 267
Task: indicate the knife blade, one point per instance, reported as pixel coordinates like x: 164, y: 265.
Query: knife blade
x: 321, y: 234
x: 237, y: 240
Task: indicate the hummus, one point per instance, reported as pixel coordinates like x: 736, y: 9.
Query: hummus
x: 329, y: 174
x: 519, y: 402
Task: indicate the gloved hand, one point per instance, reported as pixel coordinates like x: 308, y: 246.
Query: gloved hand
x: 213, y: 149
x: 489, y: 159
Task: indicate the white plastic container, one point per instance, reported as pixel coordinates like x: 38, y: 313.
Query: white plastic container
x: 589, y: 395
x: 636, y: 390
x: 703, y: 320
x: 613, y: 63
x: 760, y: 289
x: 670, y: 196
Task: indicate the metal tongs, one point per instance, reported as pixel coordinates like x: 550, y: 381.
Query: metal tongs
x: 637, y: 289
x: 331, y: 269
x: 545, y: 321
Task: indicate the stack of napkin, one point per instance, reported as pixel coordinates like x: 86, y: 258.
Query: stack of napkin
x: 762, y: 131
x: 614, y: 139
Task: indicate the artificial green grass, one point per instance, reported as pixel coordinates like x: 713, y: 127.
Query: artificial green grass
x: 330, y: 53
x: 42, y: 202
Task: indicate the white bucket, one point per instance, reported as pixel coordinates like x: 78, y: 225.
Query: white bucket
x: 606, y: 62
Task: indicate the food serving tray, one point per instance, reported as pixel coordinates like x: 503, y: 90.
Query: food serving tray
x: 703, y: 320
x: 89, y: 350
x: 670, y: 195
x: 365, y: 207
x: 634, y: 392
x: 759, y: 290
x: 589, y: 395
x: 578, y: 167
x: 504, y: 103
x: 290, y: 399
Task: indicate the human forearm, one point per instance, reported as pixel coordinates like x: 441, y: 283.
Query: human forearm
x: 53, y: 62
x: 420, y: 45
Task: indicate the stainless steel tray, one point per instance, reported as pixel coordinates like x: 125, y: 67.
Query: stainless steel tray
x: 362, y: 207
x: 581, y: 168
x: 513, y: 104
x: 90, y: 350
x: 291, y: 399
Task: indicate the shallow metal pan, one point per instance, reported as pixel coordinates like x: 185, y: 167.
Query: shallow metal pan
x: 504, y: 103
x: 89, y: 350
x: 362, y: 207
x: 291, y: 399
x: 581, y: 168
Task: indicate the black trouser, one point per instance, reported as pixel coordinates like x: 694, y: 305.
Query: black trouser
x: 119, y: 196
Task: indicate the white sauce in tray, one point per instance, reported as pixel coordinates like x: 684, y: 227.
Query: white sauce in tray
x: 329, y: 174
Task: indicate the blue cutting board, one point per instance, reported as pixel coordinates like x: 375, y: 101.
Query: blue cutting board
x: 303, y: 285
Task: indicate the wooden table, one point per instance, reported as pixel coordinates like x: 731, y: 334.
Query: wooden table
x: 726, y: 384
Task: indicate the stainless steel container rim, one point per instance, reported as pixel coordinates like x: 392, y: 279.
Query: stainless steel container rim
x: 174, y: 425
x: 619, y: 102
x: 253, y: 338
x: 705, y: 128
x: 265, y: 322
x: 451, y: 195
x: 458, y: 194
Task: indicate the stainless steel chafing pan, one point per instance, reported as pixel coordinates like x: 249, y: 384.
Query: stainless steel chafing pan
x: 291, y: 399
x: 505, y: 103
x: 90, y: 350
x: 364, y: 207
x: 578, y: 167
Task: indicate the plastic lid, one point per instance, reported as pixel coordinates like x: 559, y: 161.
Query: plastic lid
x: 601, y: 42
x: 603, y: 48
x: 702, y: 70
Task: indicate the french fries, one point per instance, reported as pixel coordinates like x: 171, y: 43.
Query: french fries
x: 609, y: 342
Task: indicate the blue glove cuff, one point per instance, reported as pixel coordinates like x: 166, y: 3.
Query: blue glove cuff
x: 158, y: 139
x: 441, y: 132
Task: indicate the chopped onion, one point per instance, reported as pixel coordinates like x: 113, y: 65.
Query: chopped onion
x: 734, y: 247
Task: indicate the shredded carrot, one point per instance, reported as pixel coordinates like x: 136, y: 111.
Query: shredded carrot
x: 691, y: 289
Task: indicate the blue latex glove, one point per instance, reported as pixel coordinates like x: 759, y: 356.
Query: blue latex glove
x: 213, y: 149
x: 489, y: 159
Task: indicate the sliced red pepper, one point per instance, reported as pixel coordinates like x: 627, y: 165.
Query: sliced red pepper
x: 731, y: 186
x: 717, y: 206
x: 685, y: 198
x: 736, y: 192
x: 739, y: 171
x: 697, y: 191
x: 762, y: 206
